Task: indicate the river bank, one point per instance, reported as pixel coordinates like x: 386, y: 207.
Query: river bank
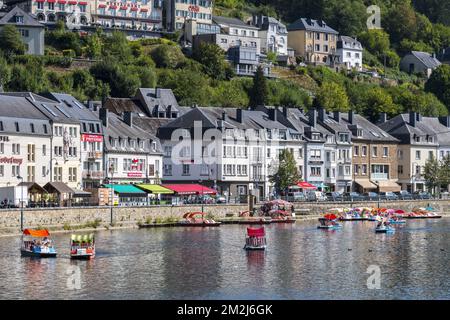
x: 103, y: 218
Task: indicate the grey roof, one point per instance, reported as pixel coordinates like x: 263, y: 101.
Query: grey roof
x: 232, y: 22
x: 267, y: 21
x: 427, y: 59
x: 72, y: 106
x: 162, y: 99
x: 311, y: 25
x: 400, y: 127
x: 117, y: 128
x: 28, y: 20
x: 29, y: 119
x: 370, y: 131
x: 349, y: 43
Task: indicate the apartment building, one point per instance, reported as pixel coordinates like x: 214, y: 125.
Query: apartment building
x: 374, y: 155
x: 178, y: 12
x: 131, y: 154
x: 349, y: 53
x: 418, y: 143
x: 239, y: 40
x: 25, y: 139
x: 131, y: 14
x: 313, y: 40
x: 273, y: 34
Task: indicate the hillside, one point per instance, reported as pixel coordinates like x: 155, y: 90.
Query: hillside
x: 117, y: 67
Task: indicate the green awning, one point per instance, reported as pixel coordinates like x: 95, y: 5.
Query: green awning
x: 154, y: 188
x: 126, y: 190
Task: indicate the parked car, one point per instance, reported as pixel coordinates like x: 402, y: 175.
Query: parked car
x: 334, y: 196
x: 354, y: 196
x: 422, y: 195
x: 296, y: 196
x: 404, y: 195
x: 221, y: 199
x: 315, y: 196
x: 389, y: 196
x: 371, y: 196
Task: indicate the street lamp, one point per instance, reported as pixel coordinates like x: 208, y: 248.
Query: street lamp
x: 378, y: 192
x: 111, y: 171
x: 202, y: 198
x: 21, y: 202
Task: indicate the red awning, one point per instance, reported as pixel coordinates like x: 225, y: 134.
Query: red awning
x: 36, y: 233
x: 251, y: 232
x: 113, y: 7
x: 82, y: 3
x: 40, y: 0
x: 134, y: 9
x: 144, y: 10
x: 102, y: 5
x: 188, y: 189
x: 306, y: 185
x: 123, y: 8
x: 51, y: 1
x: 72, y: 2
x: 62, y: 1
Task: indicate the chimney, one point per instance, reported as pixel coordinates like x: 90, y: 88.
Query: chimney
x: 239, y: 115
x: 220, y: 124
x: 273, y: 114
x: 445, y: 121
x: 312, y: 115
x: 285, y: 112
x: 158, y: 92
x: 336, y: 116
x: 128, y: 118
x: 224, y: 115
x: 169, y: 112
x: 103, y: 115
x: 350, y: 116
x: 418, y: 117
x: 383, y: 117
x: 322, y: 114
x: 412, y: 118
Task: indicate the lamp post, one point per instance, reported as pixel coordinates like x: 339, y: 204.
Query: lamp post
x: 111, y: 171
x: 21, y: 202
x: 202, y: 198
x: 378, y: 192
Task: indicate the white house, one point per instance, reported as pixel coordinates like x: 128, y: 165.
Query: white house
x: 273, y: 35
x: 349, y: 52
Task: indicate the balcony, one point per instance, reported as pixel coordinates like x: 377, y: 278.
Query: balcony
x: 94, y: 155
x: 257, y: 178
x: 379, y: 176
x: 95, y: 175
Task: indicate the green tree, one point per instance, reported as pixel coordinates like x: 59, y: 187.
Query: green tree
x: 401, y: 21
x: 445, y: 171
x: 11, y: 41
x: 94, y: 46
x: 375, y: 101
x: 122, y: 81
x: 287, y: 174
x: 432, y: 174
x: 5, y: 72
x: 167, y: 56
x: 212, y: 58
x: 259, y: 91
x: 117, y: 47
x: 332, y: 97
x: 439, y: 84
x: 376, y: 41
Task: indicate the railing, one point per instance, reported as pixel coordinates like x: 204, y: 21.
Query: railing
x: 94, y: 155
x: 92, y: 174
x: 379, y: 176
x: 257, y: 177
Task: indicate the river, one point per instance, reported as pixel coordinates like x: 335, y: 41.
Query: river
x: 301, y: 262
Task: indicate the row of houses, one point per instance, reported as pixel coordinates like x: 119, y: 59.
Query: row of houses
x: 150, y: 139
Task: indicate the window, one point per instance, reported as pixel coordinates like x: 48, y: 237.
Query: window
x: 417, y: 155
x: 1, y: 126
x: 58, y: 151
x: 2, y: 170
x: 364, y: 169
x: 57, y: 174
x: 347, y: 170
x: 51, y: 6
x: 344, y: 137
x: 17, y: 126
x: 151, y: 170
x: 385, y: 152
x: 400, y: 154
x: 2, y: 148
x: 15, y: 170
x: 45, y: 129
x: 30, y: 173
x: 356, y: 151
x: 32, y: 127
x: 73, y: 174
x: 316, y: 154
x: 316, y: 171
x: 356, y: 169
x: 430, y: 155
x: 300, y: 153
x: 31, y: 153
x: 44, y: 171
x: 15, y: 148
x: 186, y: 168
x: 400, y: 170
x: 167, y: 169
x: 364, y: 151
x: 374, y: 151
x: 40, y: 6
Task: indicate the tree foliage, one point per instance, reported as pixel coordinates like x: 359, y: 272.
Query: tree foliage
x: 260, y: 90
x: 287, y: 174
x: 11, y: 41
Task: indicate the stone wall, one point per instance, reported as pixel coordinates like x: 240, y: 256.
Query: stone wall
x: 60, y: 218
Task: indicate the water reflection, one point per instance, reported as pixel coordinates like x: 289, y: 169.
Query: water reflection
x: 301, y: 262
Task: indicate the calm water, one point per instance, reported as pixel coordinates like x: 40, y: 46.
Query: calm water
x: 301, y: 262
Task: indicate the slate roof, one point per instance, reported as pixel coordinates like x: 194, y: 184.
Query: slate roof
x: 150, y: 100
x: 28, y: 20
x: 73, y: 107
x: 349, y: 43
x: 232, y: 22
x: 311, y: 25
x: 371, y: 132
x: 427, y: 59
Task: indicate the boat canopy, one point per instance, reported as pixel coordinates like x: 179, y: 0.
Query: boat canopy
x: 126, y: 190
x: 36, y: 233
x: 80, y: 238
x: 192, y: 214
x: 330, y: 216
x: 252, y: 232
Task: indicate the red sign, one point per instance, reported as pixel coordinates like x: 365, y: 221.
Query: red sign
x: 91, y: 138
x: 194, y: 8
x: 134, y: 174
x: 11, y: 160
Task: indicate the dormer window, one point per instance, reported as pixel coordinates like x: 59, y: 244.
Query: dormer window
x: 282, y: 134
x: 359, y: 133
x: 315, y: 136
x: 19, y: 19
x: 269, y: 134
x: 343, y: 137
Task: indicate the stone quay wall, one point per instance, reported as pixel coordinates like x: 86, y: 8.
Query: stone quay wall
x: 79, y: 217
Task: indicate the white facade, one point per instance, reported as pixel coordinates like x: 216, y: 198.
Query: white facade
x: 350, y: 52
x: 273, y: 35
